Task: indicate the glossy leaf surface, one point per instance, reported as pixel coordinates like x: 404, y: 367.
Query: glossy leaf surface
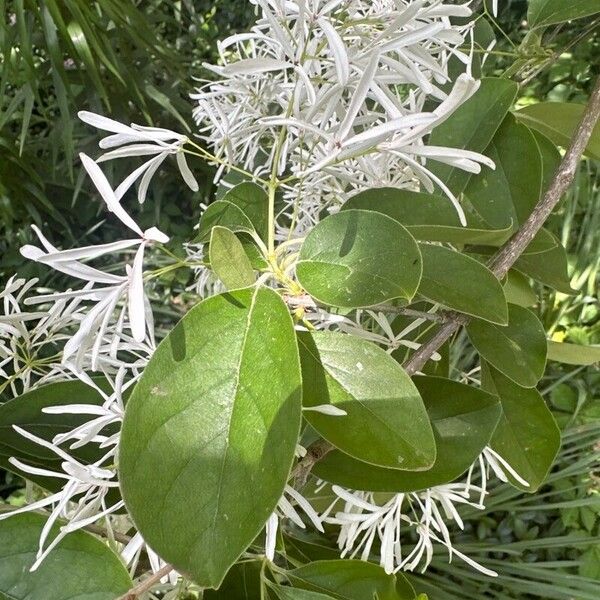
x: 386, y: 423
x: 518, y: 349
x: 463, y: 420
x: 359, y: 258
x: 215, y: 414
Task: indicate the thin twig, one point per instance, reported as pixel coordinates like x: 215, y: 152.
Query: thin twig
x: 314, y: 453
x: 147, y: 584
x: 506, y: 257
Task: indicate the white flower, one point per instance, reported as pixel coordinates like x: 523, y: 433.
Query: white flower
x: 131, y: 555
x: 84, y: 498
x: 286, y: 510
x: 334, y: 93
x: 30, y: 342
x: 136, y: 140
x: 363, y: 521
x: 95, y: 325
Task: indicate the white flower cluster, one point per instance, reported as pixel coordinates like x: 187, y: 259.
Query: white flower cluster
x: 340, y: 95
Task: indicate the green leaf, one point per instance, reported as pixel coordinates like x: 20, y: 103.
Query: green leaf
x: 549, y: 267
x: 542, y: 13
x: 510, y: 192
x: 589, y: 565
x: 463, y: 419
x: 81, y: 566
x: 550, y: 158
x: 386, y: 423
x: 518, y: 349
x: 244, y: 208
x: 351, y: 580
x: 472, y: 126
x: 242, y: 582
x: 527, y: 436
x: 573, y: 354
x: 461, y: 283
x: 26, y: 411
x: 428, y: 217
x: 228, y: 259
x: 215, y: 415
x: 517, y: 289
x: 359, y: 258
x: 558, y: 120
x: 289, y: 593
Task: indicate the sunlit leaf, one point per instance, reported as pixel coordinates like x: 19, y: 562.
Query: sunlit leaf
x: 386, y: 423
x: 215, y: 415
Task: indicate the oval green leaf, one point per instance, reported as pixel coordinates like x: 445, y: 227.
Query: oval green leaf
x: 359, y: 258
x: 80, y: 566
x: 472, y: 126
x: 558, y: 120
x: 351, y: 580
x: 573, y: 354
x: 243, y: 208
x: 461, y: 283
x: 518, y: 349
x: 386, y: 423
x: 527, y: 436
x: 463, y: 419
x: 215, y: 415
x: 517, y: 289
x: 549, y: 267
x: 229, y: 260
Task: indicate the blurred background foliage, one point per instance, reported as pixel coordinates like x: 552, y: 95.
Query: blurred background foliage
x: 137, y: 60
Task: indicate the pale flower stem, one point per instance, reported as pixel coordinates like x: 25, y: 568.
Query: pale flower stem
x: 271, y: 225
x: 147, y: 584
x: 209, y: 156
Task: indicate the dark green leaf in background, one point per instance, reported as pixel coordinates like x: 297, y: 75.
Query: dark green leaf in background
x: 549, y: 12
x: 351, y: 580
x: 81, y: 566
x: 428, y: 217
x: 558, y: 120
x: 463, y: 419
x: 26, y: 411
x: 242, y: 582
x: 517, y: 289
x: 472, y: 126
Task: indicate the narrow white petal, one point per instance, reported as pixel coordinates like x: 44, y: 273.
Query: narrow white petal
x: 107, y: 193
x: 186, y: 172
x: 104, y: 123
x: 137, y: 320
x: 326, y: 409
x: 336, y: 45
